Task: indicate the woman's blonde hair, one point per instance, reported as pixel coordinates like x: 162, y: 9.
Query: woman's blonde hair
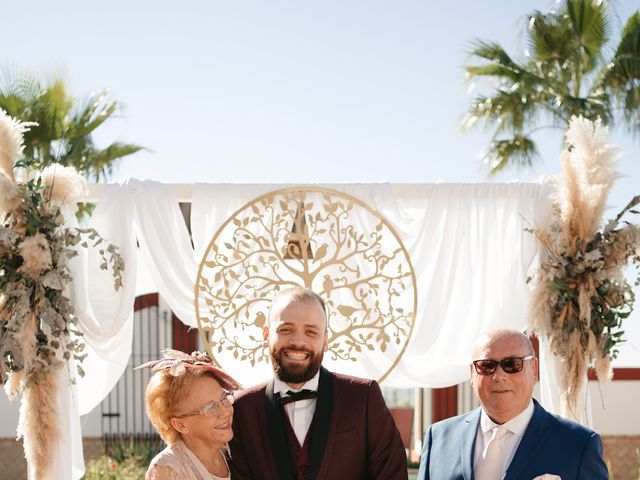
x: 165, y: 391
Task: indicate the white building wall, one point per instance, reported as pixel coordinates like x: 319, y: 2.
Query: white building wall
x: 8, y: 416
x: 614, y: 407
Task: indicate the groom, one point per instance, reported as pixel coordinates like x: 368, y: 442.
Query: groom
x: 511, y: 436
x: 309, y: 423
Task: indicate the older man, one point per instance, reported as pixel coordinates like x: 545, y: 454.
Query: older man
x: 511, y: 436
x: 308, y: 423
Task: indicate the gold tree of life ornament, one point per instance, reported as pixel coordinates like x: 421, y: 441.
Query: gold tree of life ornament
x: 322, y: 239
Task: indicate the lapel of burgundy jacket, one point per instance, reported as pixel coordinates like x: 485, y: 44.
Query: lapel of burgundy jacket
x: 321, y: 423
x: 277, y: 438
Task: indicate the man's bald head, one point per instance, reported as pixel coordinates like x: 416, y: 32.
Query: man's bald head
x: 501, y: 335
x: 504, y: 394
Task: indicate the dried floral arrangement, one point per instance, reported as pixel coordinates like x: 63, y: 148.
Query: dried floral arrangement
x: 581, y: 295
x: 38, y: 328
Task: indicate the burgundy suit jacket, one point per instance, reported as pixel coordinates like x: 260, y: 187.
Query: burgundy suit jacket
x: 354, y: 436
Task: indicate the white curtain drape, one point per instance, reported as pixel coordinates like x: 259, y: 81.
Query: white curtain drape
x: 105, y: 315
x: 470, y: 252
x: 106, y: 319
x: 148, y: 212
x: 467, y: 243
x: 551, y: 367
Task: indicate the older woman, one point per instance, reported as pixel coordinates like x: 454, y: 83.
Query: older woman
x: 189, y: 402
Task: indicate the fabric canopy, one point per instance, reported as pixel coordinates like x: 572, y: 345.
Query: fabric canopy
x: 467, y: 243
x: 469, y: 250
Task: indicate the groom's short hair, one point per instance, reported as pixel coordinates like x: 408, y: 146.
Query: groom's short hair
x: 298, y: 295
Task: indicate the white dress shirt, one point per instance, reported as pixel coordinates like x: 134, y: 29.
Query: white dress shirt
x: 516, y: 427
x: 300, y: 412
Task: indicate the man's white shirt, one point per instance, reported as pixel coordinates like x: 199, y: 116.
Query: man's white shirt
x: 300, y: 412
x: 516, y: 428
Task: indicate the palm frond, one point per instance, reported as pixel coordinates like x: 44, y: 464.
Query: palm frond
x: 622, y: 72
x: 64, y: 129
x: 592, y: 107
x: 92, y: 112
x: 630, y: 39
x: 548, y: 37
x: 493, y: 70
x: 499, y: 63
x: 624, y: 68
x: 631, y: 109
x: 99, y: 163
x: 11, y: 103
x: 566, y: 74
x: 590, y: 23
x: 621, y: 76
x: 518, y: 151
x: 508, y: 111
x: 490, y: 51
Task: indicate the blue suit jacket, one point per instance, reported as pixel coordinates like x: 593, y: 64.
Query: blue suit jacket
x: 550, y: 444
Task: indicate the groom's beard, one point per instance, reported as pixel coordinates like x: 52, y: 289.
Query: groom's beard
x: 295, y: 373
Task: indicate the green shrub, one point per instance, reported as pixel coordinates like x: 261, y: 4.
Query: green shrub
x: 127, y: 460
x: 108, y: 468
x: 143, y: 449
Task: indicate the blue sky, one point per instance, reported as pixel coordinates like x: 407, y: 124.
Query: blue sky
x: 286, y: 91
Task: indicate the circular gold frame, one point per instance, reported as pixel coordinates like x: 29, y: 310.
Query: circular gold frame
x: 304, y: 190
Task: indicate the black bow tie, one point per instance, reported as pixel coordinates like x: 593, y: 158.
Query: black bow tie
x: 295, y: 396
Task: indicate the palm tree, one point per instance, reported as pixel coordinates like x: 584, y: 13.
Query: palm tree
x: 565, y: 72
x: 65, y: 125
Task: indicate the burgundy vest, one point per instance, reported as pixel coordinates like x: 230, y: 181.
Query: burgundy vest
x: 299, y: 454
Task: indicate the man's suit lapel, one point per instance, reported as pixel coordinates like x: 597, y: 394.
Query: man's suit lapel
x: 468, y: 433
x: 532, y: 440
x: 321, y: 423
x: 277, y: 438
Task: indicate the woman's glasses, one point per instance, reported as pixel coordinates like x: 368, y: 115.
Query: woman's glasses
x: 508, y: 365
x: 212, y: 408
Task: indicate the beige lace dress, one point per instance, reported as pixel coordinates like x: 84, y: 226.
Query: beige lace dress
x: 177, y: 462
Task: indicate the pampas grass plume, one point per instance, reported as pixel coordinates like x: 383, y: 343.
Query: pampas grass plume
x: 36, y: 254
x: 26, y: 340
x: 570, y: 203
x: 573, y: 375
x: 38, y: 424
x: 14, y: 384
x: 66, y: 185
x: 11, y: 132
x: 9, y: 196
x: 589, y: 172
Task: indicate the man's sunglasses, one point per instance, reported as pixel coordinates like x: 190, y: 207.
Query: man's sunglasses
x: 508, y: 365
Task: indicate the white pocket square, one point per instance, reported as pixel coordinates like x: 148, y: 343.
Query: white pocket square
x: 547, y: 476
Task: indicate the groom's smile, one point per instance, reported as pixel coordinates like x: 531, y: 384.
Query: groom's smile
x: 296, y: 335
x: 296, y: 355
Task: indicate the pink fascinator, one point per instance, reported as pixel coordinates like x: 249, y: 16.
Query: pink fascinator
x: 177, y: 363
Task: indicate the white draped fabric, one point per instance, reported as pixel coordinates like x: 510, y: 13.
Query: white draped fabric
x: 551, y: 367
x: 67, y: 457
x: 469, y: 251
x: 467, y: 243
x: 165, y: 244
x: 105, y: 315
